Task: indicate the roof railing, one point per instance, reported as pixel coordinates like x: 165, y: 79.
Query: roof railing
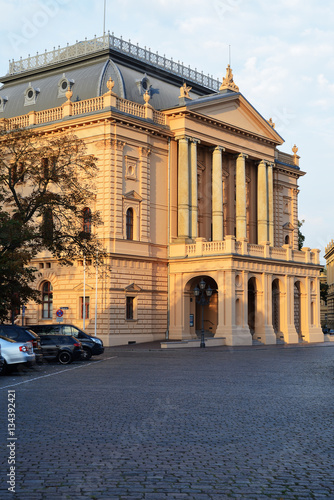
x: 106, y: 41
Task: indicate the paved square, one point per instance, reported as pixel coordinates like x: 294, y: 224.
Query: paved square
x: 144, y: 423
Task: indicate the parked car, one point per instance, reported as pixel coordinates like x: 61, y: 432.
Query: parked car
x: 2, y: 361
x: 62, y: 348
x: 91, y: 345
x: 15, y: 353
x: 20, y: 334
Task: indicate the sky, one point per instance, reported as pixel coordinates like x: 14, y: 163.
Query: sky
x: 282, y: 56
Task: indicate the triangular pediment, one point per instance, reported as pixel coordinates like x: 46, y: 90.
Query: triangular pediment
x: 80, y: 288
x: 288, y: 226
x: 133, y: 195
x: 132, y: 288
x: 233, y: 109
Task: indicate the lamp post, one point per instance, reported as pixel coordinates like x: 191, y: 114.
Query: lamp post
x: 203, y: 296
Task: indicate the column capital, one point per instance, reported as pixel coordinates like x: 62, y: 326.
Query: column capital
x: 242, y: 155
x: 264, y: 163
x: 144, y: 151
x: 116, y: 143
x: 194, y: 140
x: 182, y: 137
x: 218, y: 149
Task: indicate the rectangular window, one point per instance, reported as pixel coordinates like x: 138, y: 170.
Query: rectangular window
x: 129, y: 307
x: 86, y: 307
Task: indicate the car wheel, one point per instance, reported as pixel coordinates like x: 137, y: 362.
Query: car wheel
x: 65, y: 358
x: 87, y: 354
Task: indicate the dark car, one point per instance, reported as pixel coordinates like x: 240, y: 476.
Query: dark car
x: 22, y: 334
x: 2, y: 363
x: 91, y: 345
x: 62, y: 348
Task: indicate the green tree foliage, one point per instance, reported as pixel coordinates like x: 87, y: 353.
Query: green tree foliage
x: 46, y: 182
x: 301, y: 237
x: 323, y: 292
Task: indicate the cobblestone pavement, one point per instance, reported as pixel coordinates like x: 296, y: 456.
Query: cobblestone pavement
x: 145, y: 423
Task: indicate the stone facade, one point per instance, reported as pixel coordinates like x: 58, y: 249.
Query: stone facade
x: 191, y: 186
x: 329, y: 256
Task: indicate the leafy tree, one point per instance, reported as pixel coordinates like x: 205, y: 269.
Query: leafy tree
x: 324, y: 292
x: 46, y: 183
x: 301, y: 237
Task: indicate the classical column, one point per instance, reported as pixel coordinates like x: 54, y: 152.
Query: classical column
x: 241, y: 221
x: 217, y: 194
x: 262, y: 203
x: 193, y: 188
x: 271, y: 203
x: 183, y: 188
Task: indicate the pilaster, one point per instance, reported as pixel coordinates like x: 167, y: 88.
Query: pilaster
x: 265, y: 331
x: 145, y: 230
x: 288, y: 327
x: 118, y: 147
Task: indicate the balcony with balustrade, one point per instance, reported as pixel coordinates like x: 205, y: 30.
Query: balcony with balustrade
x: 231, y: 247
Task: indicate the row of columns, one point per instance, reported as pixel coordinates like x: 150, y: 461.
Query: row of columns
x: 188, y: 199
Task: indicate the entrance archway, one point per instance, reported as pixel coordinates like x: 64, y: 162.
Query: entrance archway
x: 210, y: 311
x: 252, y: 305
x: 297, y: 308
x: 276, y: 307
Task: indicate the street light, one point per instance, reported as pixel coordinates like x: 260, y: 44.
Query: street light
x: 203, y: 296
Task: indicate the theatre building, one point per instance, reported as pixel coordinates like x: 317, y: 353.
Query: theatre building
x: 192, y: 188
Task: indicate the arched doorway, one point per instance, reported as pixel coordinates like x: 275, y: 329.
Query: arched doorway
x: 252, y: 305
x: 210, y: 310
x: 297, y: 308
x: 276, y: 307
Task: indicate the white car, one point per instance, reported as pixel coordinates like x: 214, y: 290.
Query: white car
x: 16, y: 352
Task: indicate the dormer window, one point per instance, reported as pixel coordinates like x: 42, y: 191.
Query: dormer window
x: 3, y: 101
x: 30, y: 95
x: 63, y: 84
x: 144, y: 84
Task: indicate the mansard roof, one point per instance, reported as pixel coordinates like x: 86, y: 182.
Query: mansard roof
x: 87, y: 66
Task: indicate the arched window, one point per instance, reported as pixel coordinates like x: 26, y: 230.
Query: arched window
x: 87, y: 220
x: 129, y: 224
x: 47, y: 300
x: 287, y: 240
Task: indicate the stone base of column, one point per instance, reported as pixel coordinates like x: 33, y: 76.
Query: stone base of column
x: 290, y: 335
x: 266, y: 335
x: 314, y: 335
x: 236, y: 335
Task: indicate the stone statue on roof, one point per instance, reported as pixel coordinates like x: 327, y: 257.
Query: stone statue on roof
x: 228, y: 83
x: 184, y: 91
